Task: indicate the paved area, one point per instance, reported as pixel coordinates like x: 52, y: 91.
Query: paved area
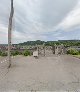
x: 53, y: 73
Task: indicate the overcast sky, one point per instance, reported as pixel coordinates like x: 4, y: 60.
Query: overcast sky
x: 41, y: 20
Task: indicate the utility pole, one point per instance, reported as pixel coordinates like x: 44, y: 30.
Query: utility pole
x: 9, y: 33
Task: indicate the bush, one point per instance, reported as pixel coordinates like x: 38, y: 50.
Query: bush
x: 73, y: 52
x: 0, y: 53
x: 79, y: 52
x: 15, y: 53
x: 4, y: 54
x: 26, y: 53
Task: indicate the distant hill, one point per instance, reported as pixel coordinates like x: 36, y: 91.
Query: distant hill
x: 38, y: 42
x: 50, y: 43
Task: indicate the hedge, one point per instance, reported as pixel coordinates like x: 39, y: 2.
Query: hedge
x: 73, y: 51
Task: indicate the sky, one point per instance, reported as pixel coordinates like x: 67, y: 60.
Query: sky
x: 40, y: 20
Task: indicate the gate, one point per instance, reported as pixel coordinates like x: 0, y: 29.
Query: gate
x: 45, y: 50
x: 50, y: 50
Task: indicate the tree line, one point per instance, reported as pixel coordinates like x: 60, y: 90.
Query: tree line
x: 52, y: 43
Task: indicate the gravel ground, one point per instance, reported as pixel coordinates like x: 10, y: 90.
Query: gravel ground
x: 53, y: 73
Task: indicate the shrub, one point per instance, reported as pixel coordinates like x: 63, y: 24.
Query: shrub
x: 26, y: 53
x: 4, y: 54
x: 15, y: 53
x: 0, y: 53
x: 79, y: 52
x: 73, y: 51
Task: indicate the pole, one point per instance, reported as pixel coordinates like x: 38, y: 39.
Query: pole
x: 44, y: 48
x: 9, y: 33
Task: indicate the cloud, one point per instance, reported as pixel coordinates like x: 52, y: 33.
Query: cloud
x: 37, y: 19
x: 72, y: 20
x: 3, y: 34
x: 40, y: 15
x: 21, y: 37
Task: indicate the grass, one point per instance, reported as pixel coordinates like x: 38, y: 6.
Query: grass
x: 78, y: 56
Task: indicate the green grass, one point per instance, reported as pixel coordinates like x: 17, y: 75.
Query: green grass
x: 78, y: 56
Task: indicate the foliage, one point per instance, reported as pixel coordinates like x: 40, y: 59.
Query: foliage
x: 38, y: 42
x: 26, y: 53
x: 0, y: 53
x: 73, y: 51
x: 4, y: 54
x: 15, y: 53
x: 51, y: 43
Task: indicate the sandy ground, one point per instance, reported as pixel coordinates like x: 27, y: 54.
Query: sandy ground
x: 49, y: 73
